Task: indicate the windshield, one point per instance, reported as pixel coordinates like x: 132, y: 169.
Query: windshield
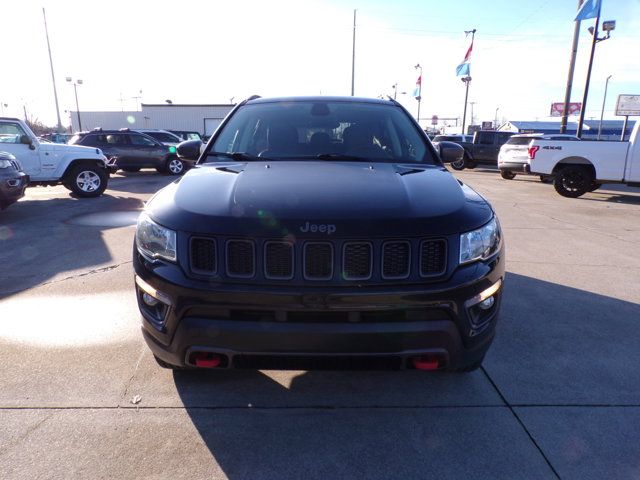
x: 328, y: 130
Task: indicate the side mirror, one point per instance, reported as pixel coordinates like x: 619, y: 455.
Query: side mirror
x: 189, y: 150
x: 26, y: 140
x: 450, y: 152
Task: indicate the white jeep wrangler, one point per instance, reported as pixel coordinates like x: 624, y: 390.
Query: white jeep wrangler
x: 83, y: 170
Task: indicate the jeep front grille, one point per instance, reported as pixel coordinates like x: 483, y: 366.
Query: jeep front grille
x: 433, y: 259
x: 241, y: 261
x: 357, y: 261
x: 203, y: 256
x: 396, y: 259
x: 278, y: 260
x: 318, y: 261
x: 375, y: 261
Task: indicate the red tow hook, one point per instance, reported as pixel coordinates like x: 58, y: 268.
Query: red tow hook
x: 207, y: 360
x: 425, y: 363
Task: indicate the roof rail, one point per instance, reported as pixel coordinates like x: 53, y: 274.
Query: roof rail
x: 124, y: 130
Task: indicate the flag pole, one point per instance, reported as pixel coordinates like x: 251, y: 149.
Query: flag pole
x: 53, y: 77
x: 586, y: 85
x: 572, y: 67
x: 467, y: 80
x: 419, y: 97
x: 353, y: 55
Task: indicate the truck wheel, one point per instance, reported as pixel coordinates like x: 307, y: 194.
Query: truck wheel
x: 460, y: 164
x: 507, y: 175
x: 86, y: 180
x: 573, y: 181
x: 174, y: 166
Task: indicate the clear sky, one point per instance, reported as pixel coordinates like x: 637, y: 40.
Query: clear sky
x: 212, y: 51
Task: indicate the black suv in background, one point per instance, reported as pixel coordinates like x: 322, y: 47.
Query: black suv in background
x: 130, y: 151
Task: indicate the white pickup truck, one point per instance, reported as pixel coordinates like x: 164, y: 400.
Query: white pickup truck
x: 83, y: 170
x: 581, y: 167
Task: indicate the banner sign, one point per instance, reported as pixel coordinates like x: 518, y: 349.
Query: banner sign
x: 558, y: 108
x: 628, y: 105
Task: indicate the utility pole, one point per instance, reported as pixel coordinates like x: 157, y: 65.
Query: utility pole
x: 53, y: 77
x: 472, y: 104
x: 419, y: 92
x: 572, y: 66
x: 353, y: 55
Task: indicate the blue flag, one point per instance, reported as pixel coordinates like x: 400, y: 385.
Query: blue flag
x: 463, y: 70
x: 589, y: 9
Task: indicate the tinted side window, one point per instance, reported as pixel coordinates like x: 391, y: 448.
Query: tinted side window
x: 89, y: 140
x: 485, y: 138
x: 140, y: 140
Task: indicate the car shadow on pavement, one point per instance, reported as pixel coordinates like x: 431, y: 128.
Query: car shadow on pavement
x: 144, y: 182
x: 555, y: 345
x: 42, y: 238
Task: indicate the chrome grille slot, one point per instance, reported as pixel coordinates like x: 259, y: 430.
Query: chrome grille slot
x: 241, y: 261
x: 396, y: 259
x: 318, y: 261
x: 357, y: 261
x: 203, y: 256
x: 278, y: 260
x: 433, y: 257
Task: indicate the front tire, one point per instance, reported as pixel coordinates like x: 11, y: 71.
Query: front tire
x: 86, y: 181
x: 507, y: 175
x: 174, y: 166
x: 573, y: 181
x: 461, y: 164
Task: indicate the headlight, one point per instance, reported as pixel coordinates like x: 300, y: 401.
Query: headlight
x: 480, y: 244
x: 155, y: 241
x: 5, y: 164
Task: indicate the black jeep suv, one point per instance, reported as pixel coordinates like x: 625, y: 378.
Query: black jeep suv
x: 130, y: 151
x: 319, y: 232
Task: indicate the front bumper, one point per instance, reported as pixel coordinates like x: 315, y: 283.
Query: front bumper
x: 12, y: 188
x: 303, y: 328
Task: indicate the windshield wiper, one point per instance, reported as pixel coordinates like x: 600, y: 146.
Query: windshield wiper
x: 240, y: 156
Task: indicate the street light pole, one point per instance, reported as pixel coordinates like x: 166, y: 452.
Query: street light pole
x: 472, y: 104
x: 75, y: 91
x: 606, y: 85
x: 495, y: 123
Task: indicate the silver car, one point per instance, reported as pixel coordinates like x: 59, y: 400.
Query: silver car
x: 514, y: 155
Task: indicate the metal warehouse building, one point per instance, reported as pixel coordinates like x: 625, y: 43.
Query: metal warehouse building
x: 203, y: 119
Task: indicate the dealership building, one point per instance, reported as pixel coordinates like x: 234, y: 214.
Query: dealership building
x: 201, y: 118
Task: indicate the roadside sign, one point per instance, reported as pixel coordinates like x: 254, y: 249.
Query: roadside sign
x: 434, y: 120
x: 558, y: 107
x: 487, y: 125
x: 628, y: 105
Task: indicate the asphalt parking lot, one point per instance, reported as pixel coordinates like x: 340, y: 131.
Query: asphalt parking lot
x: 558, y: 396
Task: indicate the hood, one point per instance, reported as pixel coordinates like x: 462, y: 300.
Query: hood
x: 319, y: 199
x: 62, y: 148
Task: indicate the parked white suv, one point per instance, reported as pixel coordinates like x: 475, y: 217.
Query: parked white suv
x: 83, y: 170
x: 514, y: 154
